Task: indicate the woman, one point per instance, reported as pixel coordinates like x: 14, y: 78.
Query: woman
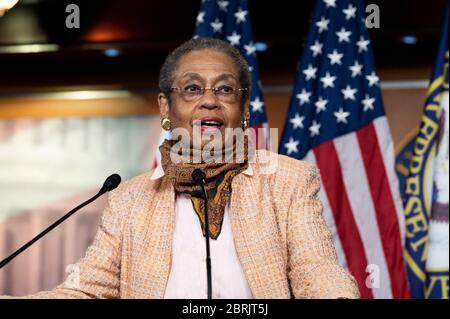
x: 268, y: 238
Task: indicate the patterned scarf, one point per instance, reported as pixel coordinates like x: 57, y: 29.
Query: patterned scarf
x: 218, y: 184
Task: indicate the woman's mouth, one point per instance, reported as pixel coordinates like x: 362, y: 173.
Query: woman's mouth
x: 210, y: 125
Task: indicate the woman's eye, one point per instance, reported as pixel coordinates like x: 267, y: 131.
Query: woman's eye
x: 225, y: 89
x: 192, y: 89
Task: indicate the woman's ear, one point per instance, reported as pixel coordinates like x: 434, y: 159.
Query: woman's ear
x: 163, y: 103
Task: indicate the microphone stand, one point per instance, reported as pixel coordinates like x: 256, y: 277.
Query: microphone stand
x: 208, y: 256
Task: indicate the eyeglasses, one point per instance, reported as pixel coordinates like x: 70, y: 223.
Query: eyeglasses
x: 224, y: 93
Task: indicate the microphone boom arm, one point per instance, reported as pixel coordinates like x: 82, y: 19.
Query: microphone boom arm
x: 111, y: 182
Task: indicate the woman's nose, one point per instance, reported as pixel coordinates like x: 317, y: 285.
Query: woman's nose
x: 209, y: 100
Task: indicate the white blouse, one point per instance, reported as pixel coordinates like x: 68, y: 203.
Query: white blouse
x: 187, y: 279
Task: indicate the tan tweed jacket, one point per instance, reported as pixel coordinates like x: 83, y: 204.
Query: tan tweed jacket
x: 280, y: 235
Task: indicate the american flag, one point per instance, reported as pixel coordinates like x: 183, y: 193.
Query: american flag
x: 336, y: 120
x: 230, y: 21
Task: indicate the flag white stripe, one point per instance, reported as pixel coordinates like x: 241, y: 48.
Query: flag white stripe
x: 328, y: 215
x: 387, y: 149
x: 359, y: 195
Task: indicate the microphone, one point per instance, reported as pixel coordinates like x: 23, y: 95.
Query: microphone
x: 199, y: 178
x: 110, y: 183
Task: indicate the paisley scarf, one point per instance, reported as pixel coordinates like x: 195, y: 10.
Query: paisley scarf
x: 218, y: 184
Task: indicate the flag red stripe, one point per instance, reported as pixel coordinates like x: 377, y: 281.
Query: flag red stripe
x: 385, y: 209
x: 333, y: 183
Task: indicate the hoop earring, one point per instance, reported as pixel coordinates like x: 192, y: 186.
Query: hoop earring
x: 245, y: 123
x: 166, y: 124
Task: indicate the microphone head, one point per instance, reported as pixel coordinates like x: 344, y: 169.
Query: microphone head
x: 198, y: 176
x: 111, y: 182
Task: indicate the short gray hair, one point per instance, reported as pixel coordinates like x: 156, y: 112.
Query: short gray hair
x: 166, y: 74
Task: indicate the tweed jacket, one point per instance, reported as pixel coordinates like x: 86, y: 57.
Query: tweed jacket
x: 280, y: 235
